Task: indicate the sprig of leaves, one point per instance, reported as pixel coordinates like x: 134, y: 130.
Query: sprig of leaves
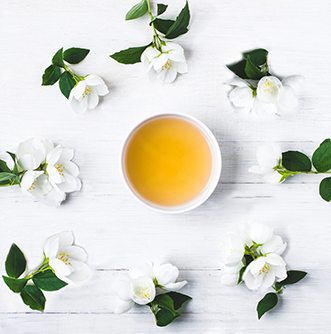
x: 9, y: 177
x: 165, y: 306
x: 254, y: 65
x: 30, y: 286
x: 59, y: 71
x: 270, y: 300
x: 295, y: 162
x: 169, y: 29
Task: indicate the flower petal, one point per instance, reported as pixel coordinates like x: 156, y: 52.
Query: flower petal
x: 123, y: 306
x: 122, y: 289
x: 75, y: 252
x: 293, y: 81
x: 288, y: 98
x: 59, y: 267
x: 174, y: 286
x: 241, y: 96
x: 93, y: 99
x: 81, y: 271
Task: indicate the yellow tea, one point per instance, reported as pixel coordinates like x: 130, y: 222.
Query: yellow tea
x: 168, y: 161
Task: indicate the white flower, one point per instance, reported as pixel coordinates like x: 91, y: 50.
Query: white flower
x: 142, y: 284
x: 232, y: 249
x: 67, y: 261
x: 37, y: 185
x: 260, y: 233
x: 166, y: 276
x: 268, y: 157
x: 61, y: 171
x: 85, y: 95
x: 269, y: 94
x: 138, y: 287
x: 264, y: 271
x: 274, y: 245
x: 31, y: 153
x: 123, y: 293
x: 163, y: 66
x: 230, y: 275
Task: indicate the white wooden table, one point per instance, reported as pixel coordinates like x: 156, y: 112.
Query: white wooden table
x: 117, y: 232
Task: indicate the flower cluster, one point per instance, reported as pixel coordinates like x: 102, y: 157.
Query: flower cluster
x: 43, y: 171
x: 153, y: 285
x: 276, y: 166
x: 162, y: 58
x: 258, y: 91
x: 252, y: 254
x: 83, y: 92
x: 63, y: 263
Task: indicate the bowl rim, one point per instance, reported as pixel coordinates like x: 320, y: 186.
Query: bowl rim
x: 214, y: 175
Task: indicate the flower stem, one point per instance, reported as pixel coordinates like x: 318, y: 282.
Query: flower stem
x: 76, y: 77
x: 43, y: 267
x: 156, y: 38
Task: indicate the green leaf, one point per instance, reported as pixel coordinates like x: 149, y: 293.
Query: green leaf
x: 295, y: 161
x: 15, y: 262
x: 164, y: 301
x: 293, y: 276
x: 181, y: 23
x: 241, y: 273
x: 138, y: 10
x: 178, y: 299
x: 163, y: 25
x: 252, y: 71
x: 66, y: 83
x: 14, y: 284
x: 4, y: 167
x: 164, y: 317
x: 48, y: 281
x: 325, y: 189
x: 13, y: 156
x: 161, y: 8
x: 258, y: 57
x: 322, y: 157
x: 9, y: 178
x: 33, y: 297
x: 238, y: 69
x: 130, y: 56
x: 268, y: 302
x: 58, y: 58
x: 75, y: 55
x: 51, y: 75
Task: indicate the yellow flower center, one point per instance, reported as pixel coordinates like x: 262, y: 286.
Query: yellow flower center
x: 64, y: 258
x: 60, y: 169
x: 33, y: 185
x: 87, y: 92
x: 167, y: 65
x: 144, y: 291
x: 268, y: 87
x: 232, y: 250
x: 265, y: 269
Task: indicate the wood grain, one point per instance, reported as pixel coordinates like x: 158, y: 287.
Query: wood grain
x: 116, y: 231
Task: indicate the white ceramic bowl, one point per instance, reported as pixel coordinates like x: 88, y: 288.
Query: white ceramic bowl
x: 214, y: 176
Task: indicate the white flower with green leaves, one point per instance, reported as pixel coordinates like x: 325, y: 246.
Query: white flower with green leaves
x: 163, y: 65
x: 67, y: 260
x: 269, y: 94
x: 153, y: 285
x: 85, y: 95
x: 269, y: 157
